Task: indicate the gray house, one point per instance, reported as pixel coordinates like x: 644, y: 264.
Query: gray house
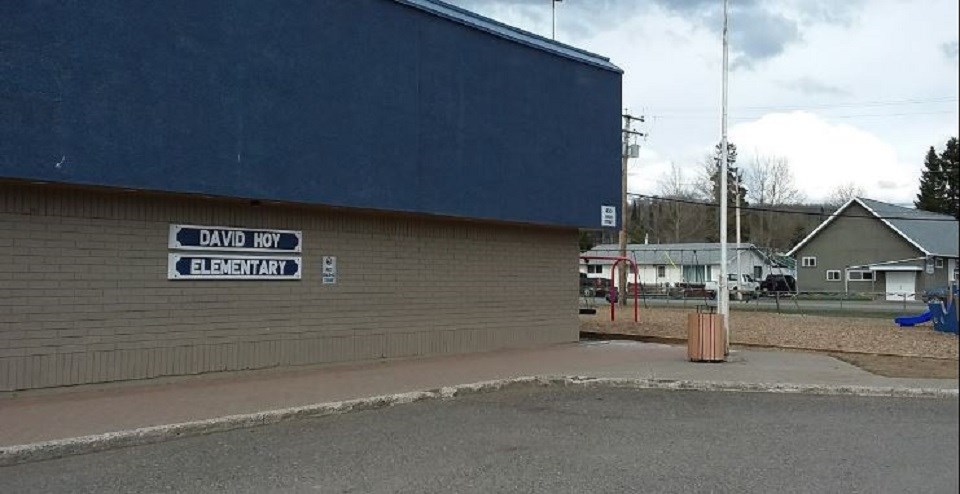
x: 684, y: 263
x: 872, y: 246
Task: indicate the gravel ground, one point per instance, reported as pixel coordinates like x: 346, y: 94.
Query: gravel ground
x: 909, y: 367
x: 822, y: 333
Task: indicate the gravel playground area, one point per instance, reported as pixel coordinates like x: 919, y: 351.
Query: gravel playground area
x: 792, y: 331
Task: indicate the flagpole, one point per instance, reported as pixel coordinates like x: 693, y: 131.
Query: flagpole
x: 723, y: 297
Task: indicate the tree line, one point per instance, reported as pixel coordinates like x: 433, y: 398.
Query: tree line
x: 684, y: 207
x: 677, y: 214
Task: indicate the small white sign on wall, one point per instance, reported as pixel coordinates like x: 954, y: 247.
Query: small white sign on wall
x: 329, y: 274
x: 608, y: 216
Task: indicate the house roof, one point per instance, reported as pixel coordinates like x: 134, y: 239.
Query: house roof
x: 931, y: 233
x: 672, y: 254
x: 474, y: 20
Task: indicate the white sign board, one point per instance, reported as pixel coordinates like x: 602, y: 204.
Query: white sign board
x: 329, y: 274
x: 608, y: 216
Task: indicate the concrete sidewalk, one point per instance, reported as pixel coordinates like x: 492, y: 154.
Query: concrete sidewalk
x: 46, y: 415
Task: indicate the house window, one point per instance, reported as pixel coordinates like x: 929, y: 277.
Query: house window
x: 661, y: 271
x: 939, y: 263
x: 594, y: 269
x: 758, y: 272
x: 808, y: 262
x: 697, y: 274
x: 859, y: 275
x: 833, y: 275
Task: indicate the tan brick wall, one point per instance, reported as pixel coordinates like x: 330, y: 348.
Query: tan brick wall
x: 84, y: 295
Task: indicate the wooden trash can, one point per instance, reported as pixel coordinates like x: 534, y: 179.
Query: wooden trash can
x: 706, y: 338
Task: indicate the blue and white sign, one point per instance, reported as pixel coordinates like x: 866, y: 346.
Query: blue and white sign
x: 220, y: 238
x: 608, y: 216
x: 233, y: 267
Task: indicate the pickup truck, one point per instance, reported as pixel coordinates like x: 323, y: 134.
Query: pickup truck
x: 779, y: 283
x: 747, y: 286
x: 595, y: 287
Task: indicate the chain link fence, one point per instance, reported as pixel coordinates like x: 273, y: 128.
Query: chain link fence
x: 689, y: 295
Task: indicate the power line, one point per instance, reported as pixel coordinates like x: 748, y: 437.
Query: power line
x: 863, y: 104
x: 786, y: 211
x: 856, y: 115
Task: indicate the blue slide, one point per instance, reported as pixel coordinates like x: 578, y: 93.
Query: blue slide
x: 907, y: 321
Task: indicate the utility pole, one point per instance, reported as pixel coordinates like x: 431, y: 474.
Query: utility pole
x: 723, y: 297
x: 736, y: 172
x: 625, y: 155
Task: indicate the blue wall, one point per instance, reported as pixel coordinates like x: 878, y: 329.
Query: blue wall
x: 361, y: 103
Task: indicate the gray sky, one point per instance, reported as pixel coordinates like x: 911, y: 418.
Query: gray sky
x: 847, y: 91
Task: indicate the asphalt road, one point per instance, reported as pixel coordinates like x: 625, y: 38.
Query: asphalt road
x: 551, y: 440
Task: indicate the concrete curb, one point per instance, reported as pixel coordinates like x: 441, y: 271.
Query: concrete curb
x: 48, y: 450
x: 607, y: 336
x: 810, y: 389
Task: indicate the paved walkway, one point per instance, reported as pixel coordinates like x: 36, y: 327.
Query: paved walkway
x: 43, y: 415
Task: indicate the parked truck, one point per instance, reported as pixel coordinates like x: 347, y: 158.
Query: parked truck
x: 747, y: 287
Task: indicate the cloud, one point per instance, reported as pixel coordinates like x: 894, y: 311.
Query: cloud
x: 643, y: 171
x: 886, y: 184
x: 824, y: 155
x: 951, y: 50
x: 810, y: 86
x: 759, y: 31
x: 758, y: 35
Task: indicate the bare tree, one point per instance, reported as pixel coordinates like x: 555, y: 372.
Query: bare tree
x: 843, y: 193
x: 674, y: 183
x: 672, y: 186
x: 683, y: 220
x: 770, y: 183
x: 703, y: 187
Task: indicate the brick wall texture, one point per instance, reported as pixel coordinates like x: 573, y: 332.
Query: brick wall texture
x: 84, y: 295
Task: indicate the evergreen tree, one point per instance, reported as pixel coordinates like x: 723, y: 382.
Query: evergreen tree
x: 799, y: 233
x: 940, y: 181
x: 637, y: 228
x: 950, y: 166
x: 932, y: 194
x: 587, y: 240
x: 734, y: 178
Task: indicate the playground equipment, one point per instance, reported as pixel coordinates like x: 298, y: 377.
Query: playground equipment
x: 588, y: 294
x: 943, y: 313
x: 909, y: 321
x: 636, y: 293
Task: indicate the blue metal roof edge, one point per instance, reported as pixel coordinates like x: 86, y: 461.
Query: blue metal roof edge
x: 496, y: 28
